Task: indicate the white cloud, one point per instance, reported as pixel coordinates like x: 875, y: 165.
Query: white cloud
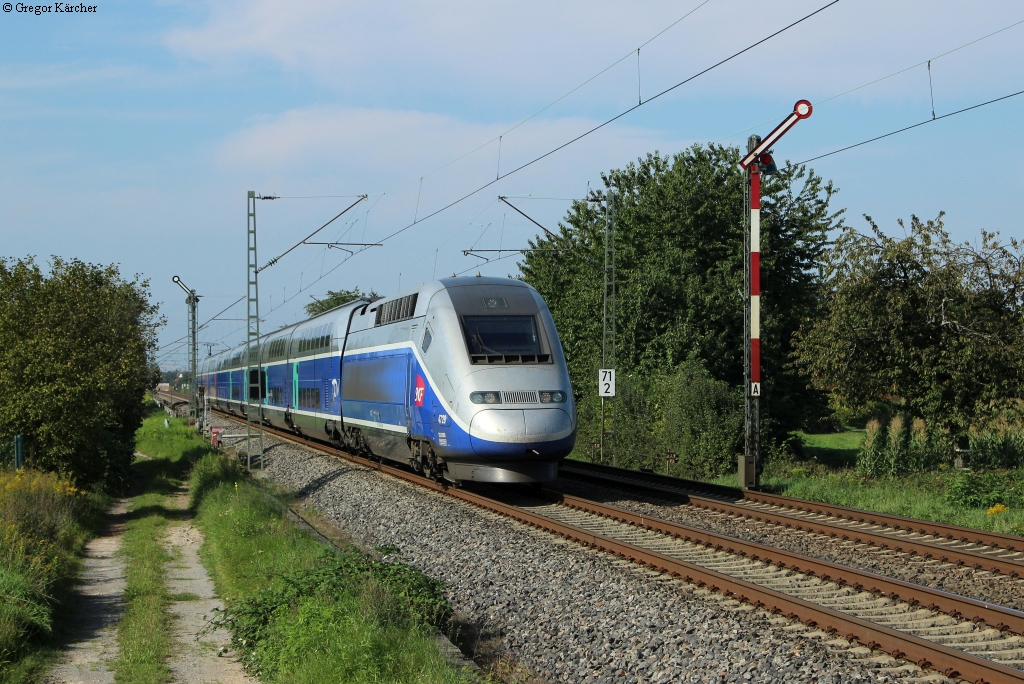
x: 533, y: 51
x: 393, y: 145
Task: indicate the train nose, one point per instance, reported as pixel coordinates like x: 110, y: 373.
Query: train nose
x: 517, y: 426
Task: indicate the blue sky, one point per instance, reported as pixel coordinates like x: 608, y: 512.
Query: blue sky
x: 132, y: 134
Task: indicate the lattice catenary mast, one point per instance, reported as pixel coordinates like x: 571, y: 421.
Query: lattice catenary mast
x: 253, y: 376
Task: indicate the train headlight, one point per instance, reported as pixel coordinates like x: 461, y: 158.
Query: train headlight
x: 485, y: 397
x: 553, y: 397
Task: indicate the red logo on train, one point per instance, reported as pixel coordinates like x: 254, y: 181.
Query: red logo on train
x: 420, y: 390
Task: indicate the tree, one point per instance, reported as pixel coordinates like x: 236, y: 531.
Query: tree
x: 679, y: 261
x: 919, y: 325
x: 75, y: 346
x: 335, y: 299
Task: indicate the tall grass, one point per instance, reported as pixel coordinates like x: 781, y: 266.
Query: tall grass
x: 44, y: 524
x: 301, y: 614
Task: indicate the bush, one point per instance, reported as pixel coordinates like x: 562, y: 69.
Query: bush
x: 999, y: 444
x: 984, y: 490
x: 702, y: 421
x: 43, y: 524
x: 75, y: 335
x: 687, y: 412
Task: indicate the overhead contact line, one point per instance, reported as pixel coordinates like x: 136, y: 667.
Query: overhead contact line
x: 614, y: 118
x: 907, y: 128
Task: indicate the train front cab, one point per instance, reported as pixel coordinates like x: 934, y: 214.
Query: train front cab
x: 508, y: 416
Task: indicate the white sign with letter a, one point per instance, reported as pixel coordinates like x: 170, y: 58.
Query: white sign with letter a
x: 606, y: 382
x: 755, y: 389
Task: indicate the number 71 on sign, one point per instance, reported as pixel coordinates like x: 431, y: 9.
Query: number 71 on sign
x: 606, y: 382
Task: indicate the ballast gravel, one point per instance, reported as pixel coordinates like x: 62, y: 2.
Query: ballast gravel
x: 965, y: 581
x: 566, y: 613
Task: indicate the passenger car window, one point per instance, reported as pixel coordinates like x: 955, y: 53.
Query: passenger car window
x: 501, y: 334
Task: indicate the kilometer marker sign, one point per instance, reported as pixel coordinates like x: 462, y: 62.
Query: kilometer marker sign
x: 606, y: 382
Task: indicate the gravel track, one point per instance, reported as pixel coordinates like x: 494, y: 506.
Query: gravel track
x: 981, y: 585
x: 566, y: 613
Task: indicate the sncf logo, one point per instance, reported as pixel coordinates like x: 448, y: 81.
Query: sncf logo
x: 420, y: 390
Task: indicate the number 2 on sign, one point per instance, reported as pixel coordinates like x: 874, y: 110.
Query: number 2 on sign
x: 606, y: 382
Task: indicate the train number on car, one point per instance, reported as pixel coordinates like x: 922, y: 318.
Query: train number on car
x: 442, y: 419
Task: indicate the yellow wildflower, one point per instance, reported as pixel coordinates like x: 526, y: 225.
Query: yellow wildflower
x: 997, y: 509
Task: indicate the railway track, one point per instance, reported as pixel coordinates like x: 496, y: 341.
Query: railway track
x: 989, y: 551
x: 958, y: 636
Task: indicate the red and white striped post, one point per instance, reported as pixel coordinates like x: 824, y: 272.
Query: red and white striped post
x: 757, y: 156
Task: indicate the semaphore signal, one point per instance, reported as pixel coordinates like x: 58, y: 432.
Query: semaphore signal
x: 758, y: 160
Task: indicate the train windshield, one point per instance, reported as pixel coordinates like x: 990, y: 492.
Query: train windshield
x: 501, y: 334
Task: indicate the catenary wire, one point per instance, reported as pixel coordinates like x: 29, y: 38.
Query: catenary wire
x: 877, y: 80
x: 907, y: 128
x: 550, y: 105
x: 613, y: 119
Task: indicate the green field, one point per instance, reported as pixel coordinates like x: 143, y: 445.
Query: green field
x: 826, y: 472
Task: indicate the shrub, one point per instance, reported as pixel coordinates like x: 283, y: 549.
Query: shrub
x: 702, y: 421
x: 390, y: 598
x: 984, y: 490
x: 997, y: 444
x: 41, y: 529
x: 687, y: 412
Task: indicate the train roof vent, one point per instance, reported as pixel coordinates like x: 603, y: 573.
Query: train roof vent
x: 519, y: 397
x: 396, y: 310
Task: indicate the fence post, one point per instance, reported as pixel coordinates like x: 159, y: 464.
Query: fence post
x: 19, y: 452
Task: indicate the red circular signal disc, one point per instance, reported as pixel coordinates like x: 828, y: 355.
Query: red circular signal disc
x: 803, y: 109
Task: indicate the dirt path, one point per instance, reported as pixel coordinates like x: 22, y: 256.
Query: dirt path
x: 197, y: 660
x: 97, y: 607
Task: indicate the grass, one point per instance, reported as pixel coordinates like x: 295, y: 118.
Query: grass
x: 298, y: 613
x: 302, y: 614
x: 827, y: 473
x: 144, y: 641
x: 44, y: 524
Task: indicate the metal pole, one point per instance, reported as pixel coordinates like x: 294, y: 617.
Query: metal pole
x: 608, y: 331
x: 747, y: 472
x: 193, y: 344
x: 192, y: 301
x: 253, y: 377
x: 19, y: 452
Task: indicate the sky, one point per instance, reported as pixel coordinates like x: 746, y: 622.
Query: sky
x: 132, y: 133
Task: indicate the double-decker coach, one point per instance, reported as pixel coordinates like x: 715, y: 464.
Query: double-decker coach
x: 463, y: 378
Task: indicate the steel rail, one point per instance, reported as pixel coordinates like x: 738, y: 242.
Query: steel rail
x: 927, y: 654
x: 738, y: 502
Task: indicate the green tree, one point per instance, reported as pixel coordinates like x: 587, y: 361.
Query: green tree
x: 74, y: 350
x: 335, y: 299
x: 919, y: 325
x: 679, y: 261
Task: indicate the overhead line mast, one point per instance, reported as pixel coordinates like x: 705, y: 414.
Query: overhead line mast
x: 253, y: 371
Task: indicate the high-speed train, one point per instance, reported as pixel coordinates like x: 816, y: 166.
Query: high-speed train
x: 463, y: 378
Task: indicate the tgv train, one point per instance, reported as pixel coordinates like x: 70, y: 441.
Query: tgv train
x: 463, y: 379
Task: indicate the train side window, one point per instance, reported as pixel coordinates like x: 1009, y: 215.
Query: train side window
x: 427, y: 338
